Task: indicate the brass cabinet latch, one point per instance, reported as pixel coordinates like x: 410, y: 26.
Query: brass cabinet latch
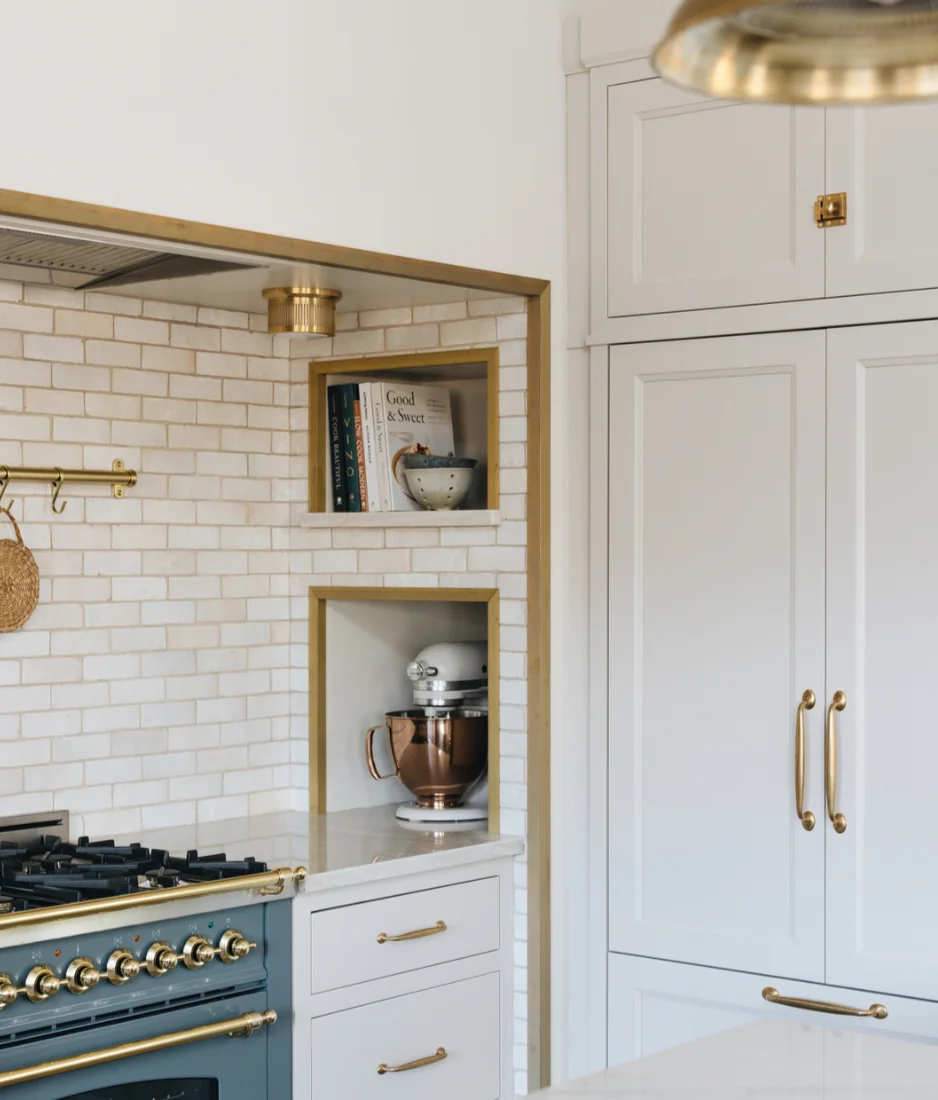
x: 831, y: 210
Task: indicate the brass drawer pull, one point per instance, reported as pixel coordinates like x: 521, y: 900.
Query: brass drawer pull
x: 804, y: 816
x: 428, y: 1061
x: 838, y: 703
x: 439, y: 927
x: 240, y: 1027
x: 878, y: 1012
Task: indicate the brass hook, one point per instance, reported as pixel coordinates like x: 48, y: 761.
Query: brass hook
x: 56, y: 489
x: 4, y: 482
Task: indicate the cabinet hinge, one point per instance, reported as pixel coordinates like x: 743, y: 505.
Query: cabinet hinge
x: 831, y: 210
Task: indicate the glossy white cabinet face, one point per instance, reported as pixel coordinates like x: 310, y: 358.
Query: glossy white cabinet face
x: 887, y: 162
x: 882, y: 623
x: 716, y: 627
x: 706, y: 203
x: 656, y: 1005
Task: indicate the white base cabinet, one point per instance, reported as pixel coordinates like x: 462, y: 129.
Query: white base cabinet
x: 403, y: 988
x: 656, y: 1005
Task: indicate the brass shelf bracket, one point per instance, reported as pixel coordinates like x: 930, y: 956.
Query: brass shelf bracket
x: 118, y: 477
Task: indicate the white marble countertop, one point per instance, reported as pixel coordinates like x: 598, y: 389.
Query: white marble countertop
x: 771, y: 1060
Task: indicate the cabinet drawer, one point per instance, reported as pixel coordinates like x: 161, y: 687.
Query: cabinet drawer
x: 346, y: 1048
x: 359, y: 943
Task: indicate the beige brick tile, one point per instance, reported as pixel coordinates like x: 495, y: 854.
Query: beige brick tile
x: 112, y: 406
x: 149, y: 383
x: 479, y: 330
x: 21, y: 427
x: 345, y: 322
x: 64, y: 297
x: 223, y: 318
x: 417, y: 536
x: 268, y: 369
x: 486, y: 307
x: 11, y: 399
x: 221, y: 365
x: 197, y: 337
x: 170, y: 311
x: 16, y: 372
x: 141, y: 331
x: 72, y: 376
x: 113, y: 303
x: 384, y: 561
x: 245, y: 439
x: 357, y: 343
x: 11, y: 343
x: 193, y: 387
x: 64, y: 349
x: 447, y: 311
x: 80, y: 322
x: 371, y: 538
x: 26, y: 318
x: 174, y: 360
x: 169, y: 409
x: 128, y: 433
x: 108, y: 353
x: 512, y: 326
x: 246, y: 343
x: 441, y: 560
x: 275, y: 419
x: 258, y: 393
x: 413, y: 336
x: 215, y: 412
x: 383, y: 318
x: 190, y: 437
x: 513, y: 353
x: 67, y: 429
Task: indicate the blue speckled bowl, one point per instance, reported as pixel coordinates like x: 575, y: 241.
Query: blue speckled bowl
x: 438, y: 462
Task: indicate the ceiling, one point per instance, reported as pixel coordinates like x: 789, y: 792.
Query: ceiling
x: 241, y: 289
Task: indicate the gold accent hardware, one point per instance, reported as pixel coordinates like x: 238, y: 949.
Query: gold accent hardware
x: 878, y: 1012
x: 197, y: 951
x: 428, y: 1061
x: 81, y: 975
x: 272, y: 882
x: 161, y: 958
x: 119, y: 477
x: 301, y: 309
x: 122, y: 966
x: 812, y: 51
x: 831, y: 210
x: 838, y: 703
x: 806, y: 818
x: 233, y: 946
x: 9, y: 991
x: 439, y: 927
x: 41, y: 984
x: 240, y: 1027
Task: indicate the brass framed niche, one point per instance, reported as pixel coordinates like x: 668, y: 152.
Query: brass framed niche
x: 318, y: 600
x: 437, y: 367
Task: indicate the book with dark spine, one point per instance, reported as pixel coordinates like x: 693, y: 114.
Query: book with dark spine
x: 360, y: 455
x: 348, y: 397
x: 339, y: 498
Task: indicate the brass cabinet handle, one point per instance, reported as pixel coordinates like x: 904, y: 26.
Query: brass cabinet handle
x: 428, y: 1061
x: 439, y: 927
x: 240, y: 1027
x: 877, y: 1012
x: 806, y: 818
x: 838, y: 703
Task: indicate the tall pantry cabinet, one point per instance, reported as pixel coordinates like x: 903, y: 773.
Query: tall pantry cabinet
x: 768, y: 559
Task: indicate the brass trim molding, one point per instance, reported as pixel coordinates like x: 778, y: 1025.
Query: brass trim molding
x: 318, y: 598
x: 270, y: 883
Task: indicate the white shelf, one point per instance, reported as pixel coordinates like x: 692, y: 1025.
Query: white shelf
x: 474, y: 518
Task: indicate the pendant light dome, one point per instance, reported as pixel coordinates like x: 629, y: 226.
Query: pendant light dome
x: 804, y: 51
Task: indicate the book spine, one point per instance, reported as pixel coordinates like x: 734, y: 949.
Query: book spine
x: 381, y: 447
x: 360, y: 456
x: 348, y: 395
x: 339, y: 499
x: 373, y: 489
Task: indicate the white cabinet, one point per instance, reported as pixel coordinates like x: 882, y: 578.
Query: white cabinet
x: 716, y: 626
x: 704, y: 201
x: 656, y: 1005
x: 882, y: 610
x: 886, y: 162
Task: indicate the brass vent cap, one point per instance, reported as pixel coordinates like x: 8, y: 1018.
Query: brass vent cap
x: 305, y: 310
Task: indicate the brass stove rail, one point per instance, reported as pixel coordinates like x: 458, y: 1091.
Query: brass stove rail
x: 239, y: 1027
x: 270, y: 883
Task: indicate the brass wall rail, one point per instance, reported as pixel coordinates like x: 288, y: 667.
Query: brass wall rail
x: 269, y: 883
x: 239, y: 1027
x: 118, y: 477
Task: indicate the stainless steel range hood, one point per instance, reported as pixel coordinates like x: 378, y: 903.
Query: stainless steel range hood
x: 105, y: 264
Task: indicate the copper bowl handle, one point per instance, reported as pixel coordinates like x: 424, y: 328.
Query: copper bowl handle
x: 370, y: 755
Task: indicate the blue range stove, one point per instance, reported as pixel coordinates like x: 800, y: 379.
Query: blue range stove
x: 131, y: 973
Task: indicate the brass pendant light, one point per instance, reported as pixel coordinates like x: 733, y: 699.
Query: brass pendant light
x: 301, y: 310
x: 804, y: 51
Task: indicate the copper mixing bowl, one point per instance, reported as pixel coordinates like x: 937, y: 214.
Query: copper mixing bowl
x: 438, y: 757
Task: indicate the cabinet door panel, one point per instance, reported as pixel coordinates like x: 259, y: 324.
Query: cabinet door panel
x: 709, y: 203
x: 882, y: 610
x: 656, y: 1005
x: 886, y: 161
x: 716, y: 628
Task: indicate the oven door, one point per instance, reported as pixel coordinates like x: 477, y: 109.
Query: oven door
x: 210, y: 1051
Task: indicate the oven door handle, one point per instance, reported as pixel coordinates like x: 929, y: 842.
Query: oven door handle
x: 241, y: 1027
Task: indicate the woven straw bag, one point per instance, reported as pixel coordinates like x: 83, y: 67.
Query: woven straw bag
x: 19, y: 581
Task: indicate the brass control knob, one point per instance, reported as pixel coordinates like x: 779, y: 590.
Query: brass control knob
x: 122, y: 966
x: 233, y: 946
x: 8, y: 991
x: 197, y: 951
x: 160, y: 959
x: 41, y: 984
x: 81, y: 975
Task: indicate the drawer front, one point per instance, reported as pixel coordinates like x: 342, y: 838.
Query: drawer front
x: 462, y: 1019
x: 358, y: 943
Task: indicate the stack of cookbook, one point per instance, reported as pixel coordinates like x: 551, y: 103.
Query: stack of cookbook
x: 372, y: 425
